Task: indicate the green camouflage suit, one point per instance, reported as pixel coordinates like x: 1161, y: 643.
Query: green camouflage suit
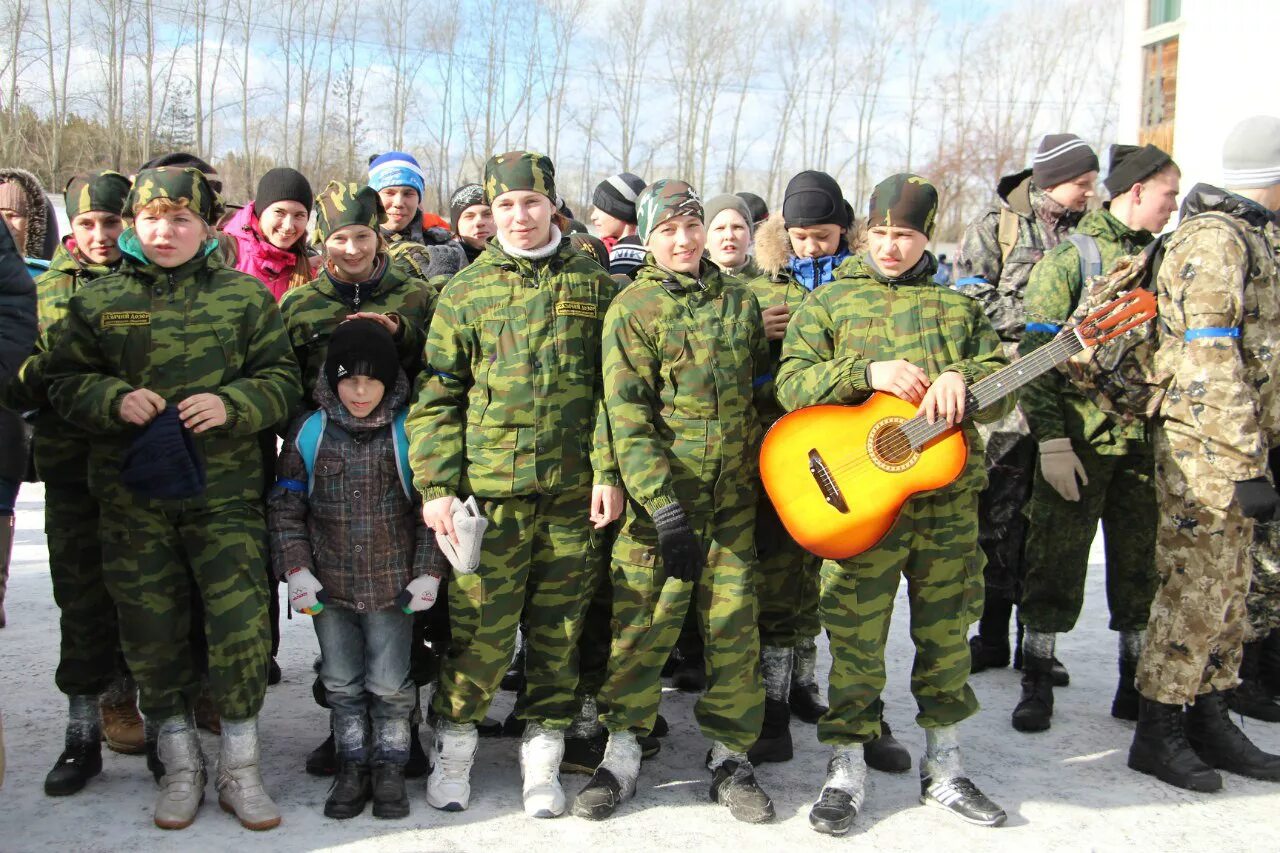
x: 1117, y: 462
x: 196, y: 328
x: 787, y: 575
x: 510, y: 410
x: 685, y: 361
x: 1218, y: 290
x: 90, y: 653
x: 839, y: 330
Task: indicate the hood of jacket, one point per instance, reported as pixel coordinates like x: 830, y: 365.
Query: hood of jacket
x: 383, y: 414
x: 1015, y: 191
x: 772, y: 246
x: 1206, y: 198
x: 41, y: 241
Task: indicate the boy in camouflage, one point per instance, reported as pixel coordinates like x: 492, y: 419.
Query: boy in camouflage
x: 420, y: 252
x: 1091, y: 467
x: 883, y: 325
x: 511, y: 410
x: 1218, y: 289
x: 91, y: 669
x: 173, y: 327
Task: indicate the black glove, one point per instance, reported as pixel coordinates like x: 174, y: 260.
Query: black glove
x: 682, y: 556
x: 1258, y: 499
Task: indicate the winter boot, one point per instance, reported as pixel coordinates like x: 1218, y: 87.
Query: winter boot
x: 351, y: 790
x: 323, y: 760
x: 733, y: 784
x: 1125, y: 704
x: 774, y: 743
x: 81, y: 757
x: 453, y: 753
x: 1061, y: 678
x: 182, y: 786
x: 239, y: 784
x: 613, y: 781
x: 944, y: 785
x: 842, y: 793
x: 540, y: 755
x: 151, y: 732
x: 1251, y: 697
x: 584, y: 742
x: 805, y: 695
x: 885, y: 753
x: 1035, y: 710
x: 989, y: 648
x: 6, y: 553
x: 1221, y: 744
x: 390, y: 755
x: 1269, y: 664
x: 122, y: 727
x: 1160, y: 748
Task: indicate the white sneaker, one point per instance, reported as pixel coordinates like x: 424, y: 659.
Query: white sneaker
x: 453, y: 751
x: 540, y: 756
x: 183, y: 783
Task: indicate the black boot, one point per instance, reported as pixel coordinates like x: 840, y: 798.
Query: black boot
x: 81, y: 758
x: 389, y: 797
x: 774, y: 743
x: 323, y: 760
x: 989, y: 648
x: 1251, y: 698
x: 418, y: 765
x: 734, y: 785
x: 350, y: 792
x: 1160, y: 748
x: 1035, y: 709
x: 1125, y: 704
x: 885, y: 753
x: 583, y: 754
x: 806, y: 703
x: 1217, y: 740
x: 690, y: 676
x: 1061, y: 678
x: 1269, y: 663
x: 600, y: 798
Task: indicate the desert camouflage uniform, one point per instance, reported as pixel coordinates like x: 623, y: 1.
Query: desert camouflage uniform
x: 1263, y: 600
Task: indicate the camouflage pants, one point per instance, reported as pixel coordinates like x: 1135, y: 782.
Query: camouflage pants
x: 786, y: 582
x: 1002, y: 526
x: 1198, y: 617
x: 648, y: 610
x: 89, y: 656
x: 539, y: 558
x: 1263, y: 600
x: 1121, y: 493
x: 934, y: 546
x: 152, y: 551
x: 593, y: 646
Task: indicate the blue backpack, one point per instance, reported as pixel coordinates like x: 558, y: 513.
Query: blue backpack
x: 308, y: 444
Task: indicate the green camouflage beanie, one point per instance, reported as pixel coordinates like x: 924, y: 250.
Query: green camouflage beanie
x: 103, y: 191
x: 180, y: 183
x: 663, y: 200
x: 346, y: 204
x: 904, y: 201
x: 519, y: 170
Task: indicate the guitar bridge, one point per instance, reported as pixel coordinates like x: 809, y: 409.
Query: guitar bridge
x: 822, y: 475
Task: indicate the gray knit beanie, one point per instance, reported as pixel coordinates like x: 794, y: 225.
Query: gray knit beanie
x: 1251, y: 154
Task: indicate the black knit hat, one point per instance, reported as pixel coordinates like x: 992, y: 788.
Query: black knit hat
x: 616, y: 196
x: 467, y: 195
x: 282, y: 184
x: 759, y: 209
x: 1062, y: 157
x: 361, y: 347
x: 814, y: 198
x: 1131, y: 164
x: 162, y: 462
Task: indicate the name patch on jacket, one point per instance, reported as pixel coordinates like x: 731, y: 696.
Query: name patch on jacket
x: 570, y: 308
x: 112, y: 319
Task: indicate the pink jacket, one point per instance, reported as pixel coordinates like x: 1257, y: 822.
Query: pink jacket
x: 256, y: 255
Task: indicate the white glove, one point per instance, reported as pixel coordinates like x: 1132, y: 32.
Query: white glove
x: 306, y: 594
x: 468, y: 525
x: 1060, y: 466
x: 419, y: 595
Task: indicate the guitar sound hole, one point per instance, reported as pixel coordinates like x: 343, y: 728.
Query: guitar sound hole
x: 889, y: 447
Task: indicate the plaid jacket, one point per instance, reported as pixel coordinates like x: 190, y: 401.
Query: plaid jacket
x: 356, y: 531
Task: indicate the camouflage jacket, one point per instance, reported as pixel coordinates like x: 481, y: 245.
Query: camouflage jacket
x: 686, y: 368
x: 1054, y: 409
x: 197, y: 328
x: 998, y: 282
x: 861, y: 317
x: 778, y: 289
x: 1219, y: 301
x: 414, y: 253
x: 511, y: 402
x: 312, y: 312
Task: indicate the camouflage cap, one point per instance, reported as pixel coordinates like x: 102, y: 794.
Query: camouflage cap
x: 519, y: 170
x: 343, y: 204
x: 904, y: 201
x: 180, y: 183
x: 663, y: 200
x: 103, y: 191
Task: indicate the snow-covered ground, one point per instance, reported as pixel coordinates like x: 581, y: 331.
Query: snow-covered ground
x: 1067, y: 789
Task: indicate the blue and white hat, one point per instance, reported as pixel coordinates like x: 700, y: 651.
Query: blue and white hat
x: 397, y: 169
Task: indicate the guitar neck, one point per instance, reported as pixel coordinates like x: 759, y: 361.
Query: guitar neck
x: 1000, y: 384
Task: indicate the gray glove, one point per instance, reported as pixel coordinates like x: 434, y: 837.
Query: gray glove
x: 1060, y: 466
x: 469, y: 525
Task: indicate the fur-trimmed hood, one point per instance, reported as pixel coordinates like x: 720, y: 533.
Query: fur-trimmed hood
x: 41, y: 243
x: 772, y: 246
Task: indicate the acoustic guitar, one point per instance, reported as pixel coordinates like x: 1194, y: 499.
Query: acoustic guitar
x: 839, y: 475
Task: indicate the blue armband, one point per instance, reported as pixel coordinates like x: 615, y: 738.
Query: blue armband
x: 291, y: 485
x: 761, y: 380
x: 1212, y: 332
x: 444, y: 375
x: 1047, y: 328
x: 969, y: 280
